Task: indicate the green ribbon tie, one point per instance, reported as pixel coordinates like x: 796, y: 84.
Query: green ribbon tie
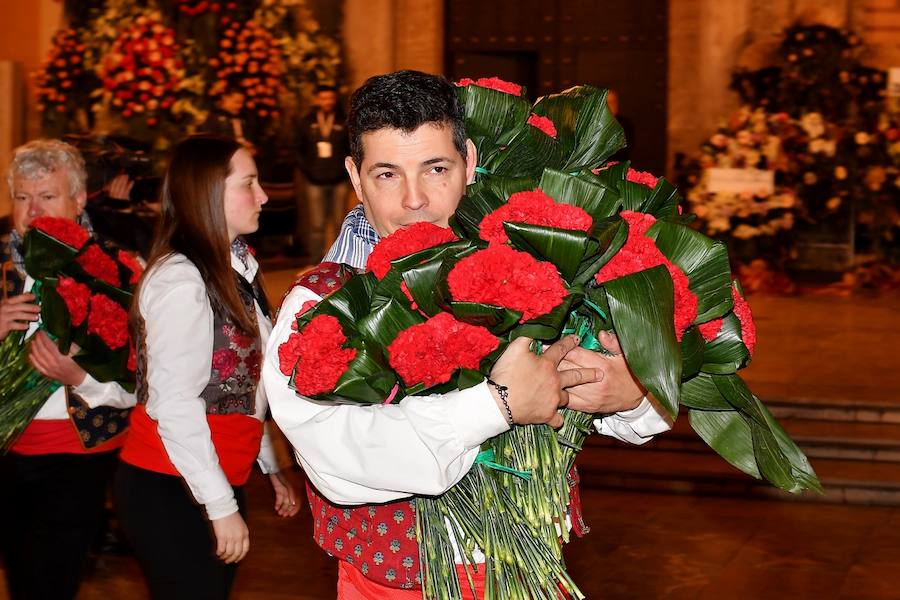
x: 486, y: 458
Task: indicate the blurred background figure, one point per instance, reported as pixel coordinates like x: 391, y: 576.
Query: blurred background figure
x: 322, y: 146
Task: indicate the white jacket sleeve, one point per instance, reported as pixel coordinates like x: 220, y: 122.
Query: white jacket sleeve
x: 179, y: 325
x: 96, y: 393
x: 368, y: 454
x: 635, y: 426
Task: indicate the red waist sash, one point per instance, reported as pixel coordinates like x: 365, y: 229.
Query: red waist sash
x: 58, y: 436
x: 235, y: 437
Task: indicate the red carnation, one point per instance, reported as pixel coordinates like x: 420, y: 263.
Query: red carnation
x: 77, y: 297
x: 403, y: 242
x: 542, y: 123
x: 66, y: 231
x: 132, y: 264
x: 710, y: 330
x: 748, y: 327
x: 109, y: 321
x: 99, y: 264
x: 640, y: 253
x: 493, y: 83
x: 225, y: 361
x: 642, y: 177
x: 430, y: 352
x: 534, y: 208
x: 501, y: 276
x: 317, y: 354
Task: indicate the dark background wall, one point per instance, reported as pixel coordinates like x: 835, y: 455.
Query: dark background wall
x: 550, y: 45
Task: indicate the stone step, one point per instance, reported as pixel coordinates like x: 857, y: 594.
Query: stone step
x: 853, y: 440
x: 821, y: 409
x: 703, y: 472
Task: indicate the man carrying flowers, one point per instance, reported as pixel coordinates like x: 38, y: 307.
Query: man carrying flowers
x: 410, y: 164
x: 55, y: 475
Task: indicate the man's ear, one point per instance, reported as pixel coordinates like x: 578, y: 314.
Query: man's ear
x: 353, y: 172
x: 471, y: 161
x: 80, y: 202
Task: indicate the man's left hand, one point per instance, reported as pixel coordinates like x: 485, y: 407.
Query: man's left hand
x: 616, y: 388
x: 50, y: 362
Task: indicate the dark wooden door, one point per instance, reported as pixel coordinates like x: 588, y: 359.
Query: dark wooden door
x: 550, y: 45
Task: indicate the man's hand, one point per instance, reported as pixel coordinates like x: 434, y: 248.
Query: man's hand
x: 536, y: 385
x: 119, y: 187
x: 17, y: 313
x: 232, y: 538
x: 614, y: 390
x: 287, y: 503
x: 50, y: 362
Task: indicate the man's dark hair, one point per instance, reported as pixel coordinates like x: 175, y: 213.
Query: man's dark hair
x: 404, y: 100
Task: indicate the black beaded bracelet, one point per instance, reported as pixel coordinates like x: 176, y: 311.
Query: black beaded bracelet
x: 503, y: 392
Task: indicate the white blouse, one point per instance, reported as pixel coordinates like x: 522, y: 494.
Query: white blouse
x: 178, y: 319
x: 421, y: 446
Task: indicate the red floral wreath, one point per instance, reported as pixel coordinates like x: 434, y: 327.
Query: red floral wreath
x: 430, y: 352
x: 403, y: 242
x: 66, y: 231
x: 317, y: 354
x: 501, y: 276
x: 534, y: 208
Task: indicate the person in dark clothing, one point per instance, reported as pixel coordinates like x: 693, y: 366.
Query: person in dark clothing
x: 322, y: 147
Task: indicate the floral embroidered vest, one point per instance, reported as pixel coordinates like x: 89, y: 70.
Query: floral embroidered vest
x: 379, y: 539
x: 236, y: 359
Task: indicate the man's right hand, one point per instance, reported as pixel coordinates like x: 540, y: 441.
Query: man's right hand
x: 232, y: 538
x: 536, y: 387
x: 17, y: 313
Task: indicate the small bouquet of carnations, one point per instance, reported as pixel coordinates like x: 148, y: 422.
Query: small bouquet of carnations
x: 85, y: 291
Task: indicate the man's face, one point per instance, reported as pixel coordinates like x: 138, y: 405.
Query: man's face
x: 410, y: 177
x: 45, y: 196
x: 326, y: 100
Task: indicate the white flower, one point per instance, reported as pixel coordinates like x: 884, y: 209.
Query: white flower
x: 813, y: 124
x: 833, y: 203
x: 840, y: 172
x: 862, y: 138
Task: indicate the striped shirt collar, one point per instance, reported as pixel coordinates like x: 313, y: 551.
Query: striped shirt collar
x: 355, y: 241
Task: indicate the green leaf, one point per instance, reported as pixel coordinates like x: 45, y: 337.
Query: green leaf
x: 729, y: 434
x: 802, y: 470
x: 583, y: 123
x: 691, y: 353
x: 773, y: 464
x: 106, y: 365
x: 599, y: 201
x: 55, y: 315
x: 727, y: 353
x: 497, y: 319
x: 45, y: 256
x: 642, y: 308
x: 611, y: 234
x: 383, y: 324
x: 548, y: 327
x: 492, y: 118
x: 562, y: 247
x: 348, y: 304
x: 662, y: 202
x: 701, y: 393
x: 733, y: 388
x: 527, y: 154
x: 368, y: 379
x: 703, y: 260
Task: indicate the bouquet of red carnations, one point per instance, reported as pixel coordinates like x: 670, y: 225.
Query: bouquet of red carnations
x: 84, y: 291
x: 551, y: 239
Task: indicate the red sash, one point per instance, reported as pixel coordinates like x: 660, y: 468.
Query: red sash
x: 58, y: 436
x: 236, y: 439
x: 353, y: 585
